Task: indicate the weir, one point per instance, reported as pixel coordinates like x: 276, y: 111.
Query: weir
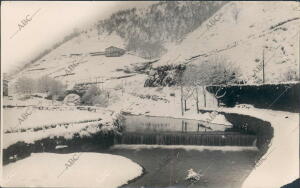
x: 175, y: 131
x: 214, y: 139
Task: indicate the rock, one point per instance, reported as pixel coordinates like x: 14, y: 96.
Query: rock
x: 193, y: 176
x: 72, y: 100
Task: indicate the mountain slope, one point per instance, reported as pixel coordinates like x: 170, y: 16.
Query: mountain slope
x: 72, y: 62
x: 240, y: 31
x: 144, y: 32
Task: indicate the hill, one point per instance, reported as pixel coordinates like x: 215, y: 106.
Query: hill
x: 244, y: 32
x: 144, y: 33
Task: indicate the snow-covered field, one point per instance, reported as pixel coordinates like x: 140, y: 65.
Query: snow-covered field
x: 50, y: 123
x: 89, y: 170
x: 39, y: 118
x: 16, y: 100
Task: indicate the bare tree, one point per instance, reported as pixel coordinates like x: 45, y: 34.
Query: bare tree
x: 26, y: 85
x: 56, y: 89
x: 217, y: 70
x: 44, y: 84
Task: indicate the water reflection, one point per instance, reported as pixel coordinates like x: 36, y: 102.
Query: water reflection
x: 151, y: 124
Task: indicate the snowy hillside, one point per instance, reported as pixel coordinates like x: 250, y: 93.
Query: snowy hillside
x: 72, y: 61
x: 145, y: 31
x: 240, y: 31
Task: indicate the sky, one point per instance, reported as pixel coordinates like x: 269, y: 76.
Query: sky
x: 47, y: 23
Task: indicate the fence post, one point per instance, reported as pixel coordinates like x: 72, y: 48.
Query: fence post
x: 263, y: 65
x: 204, y: 95
x: 181, y: 100
x: 197, y: 101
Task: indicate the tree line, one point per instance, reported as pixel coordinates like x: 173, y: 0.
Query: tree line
x: 45, y: 84
x: 145, y: 31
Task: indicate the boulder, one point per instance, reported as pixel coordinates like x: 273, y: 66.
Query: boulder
x: 72, y: 100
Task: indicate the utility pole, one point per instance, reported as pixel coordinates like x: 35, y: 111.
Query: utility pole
x: 204, y: 95
x: 108, y: 98
x: 263, y: 64
x: 181, y: 99
x: 197, y: 100
x: 122, y: 87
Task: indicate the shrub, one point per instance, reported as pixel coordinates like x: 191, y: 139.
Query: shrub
x: 94, y: 96
x: 100, y: 100
x: 289, y: 75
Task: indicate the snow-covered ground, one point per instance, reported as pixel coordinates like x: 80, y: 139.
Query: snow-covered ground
x: 84, y: 66
x: 16, y: 100
x: 40, y: 118
x: 53, y: 123
x: 88, y: 170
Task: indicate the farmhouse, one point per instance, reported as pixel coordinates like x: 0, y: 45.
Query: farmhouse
x: 114, y: 52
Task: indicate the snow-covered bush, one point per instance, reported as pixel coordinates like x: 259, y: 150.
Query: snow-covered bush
x: 94, y: 96
x: 167, y: 75
x: 290, y: 74
x: 215, y: 71
x: 72, y: 99
x: 100, y: 100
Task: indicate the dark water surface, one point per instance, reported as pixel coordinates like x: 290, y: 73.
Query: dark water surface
x: 168, y: 167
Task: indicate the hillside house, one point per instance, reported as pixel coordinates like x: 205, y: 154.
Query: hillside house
x: 114, y: 52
